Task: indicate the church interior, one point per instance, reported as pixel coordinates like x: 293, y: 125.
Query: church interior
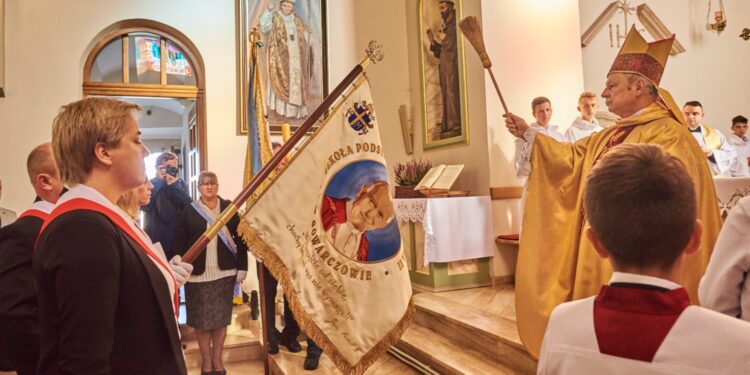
x: 432, y: 102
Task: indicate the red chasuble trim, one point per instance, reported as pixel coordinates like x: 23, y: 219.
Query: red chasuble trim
x: 35, y: 213
x: 632, y: 322
x: 85, y: 204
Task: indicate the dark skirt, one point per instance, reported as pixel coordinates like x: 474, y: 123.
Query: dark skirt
x: 209, y: 304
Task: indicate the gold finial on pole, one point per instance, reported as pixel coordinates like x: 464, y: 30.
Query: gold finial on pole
x: 255, y: 41
x: 374, y: 54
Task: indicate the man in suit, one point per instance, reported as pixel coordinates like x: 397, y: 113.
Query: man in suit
x: 19, y: 325
x: 6, y: 216
x: 107, y: 295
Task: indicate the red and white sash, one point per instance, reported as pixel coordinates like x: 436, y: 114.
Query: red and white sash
x: 83, y: 197
x: 40, y: 209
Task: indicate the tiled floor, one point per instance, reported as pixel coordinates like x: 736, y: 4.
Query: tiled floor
x: 238, y: 368
x: 291, y: 363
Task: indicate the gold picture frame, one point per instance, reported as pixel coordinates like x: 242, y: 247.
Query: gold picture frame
x: 441, y: 42
x: 312, y: 15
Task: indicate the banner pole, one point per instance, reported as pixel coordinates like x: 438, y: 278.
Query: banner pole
x: 263, y: 318
x: 374, y: 54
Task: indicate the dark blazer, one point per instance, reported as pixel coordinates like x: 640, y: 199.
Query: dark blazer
x: 19, y: 325
x: 191, y: 225
x: 162, y: 211
x: 104, y: 306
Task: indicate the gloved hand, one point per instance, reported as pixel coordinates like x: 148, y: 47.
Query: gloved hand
x: 180, y: 269
x: 241, y: 276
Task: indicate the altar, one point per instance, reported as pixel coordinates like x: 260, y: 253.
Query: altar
x: 448, y: 241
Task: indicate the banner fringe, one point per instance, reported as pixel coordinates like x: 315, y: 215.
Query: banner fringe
x: 274, y: 265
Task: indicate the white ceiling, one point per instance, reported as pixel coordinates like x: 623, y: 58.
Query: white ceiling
x: 162, y: 118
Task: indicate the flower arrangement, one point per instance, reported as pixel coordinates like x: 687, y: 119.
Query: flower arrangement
x: 411, y: 172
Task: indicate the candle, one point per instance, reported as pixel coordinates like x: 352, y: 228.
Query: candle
x: 286, y: 131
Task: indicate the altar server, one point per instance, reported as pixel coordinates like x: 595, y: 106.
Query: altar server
x: 726, y: 286
x: 585, y: 124
x: 642, y: 322
x: 107, y: 294
x: 738, y: 139
x: 720, y: 155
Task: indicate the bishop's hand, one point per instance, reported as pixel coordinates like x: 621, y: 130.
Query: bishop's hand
x: 516, y: 125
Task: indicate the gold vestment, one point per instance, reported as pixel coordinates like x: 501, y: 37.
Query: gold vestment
x: 556, y: 263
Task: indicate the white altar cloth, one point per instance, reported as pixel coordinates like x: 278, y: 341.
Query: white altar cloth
x: 456, y: 228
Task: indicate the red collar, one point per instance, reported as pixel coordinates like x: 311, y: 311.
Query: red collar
x: 35, y: 213
x: 333, y: 211
x: 633, y: 322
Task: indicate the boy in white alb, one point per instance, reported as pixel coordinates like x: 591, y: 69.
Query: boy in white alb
x: 726, y: 286
x: 738, y: 139
x: 641, y: 206
x: 541, y: 108
x: 585, y: 124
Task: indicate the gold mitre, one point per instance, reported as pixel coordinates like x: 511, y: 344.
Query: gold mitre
x: 639, y: 57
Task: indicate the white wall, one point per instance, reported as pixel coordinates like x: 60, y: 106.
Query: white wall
x: 533, y: 45
x: 535, y: 49
x: 713, y: 70
x: 46, y: 45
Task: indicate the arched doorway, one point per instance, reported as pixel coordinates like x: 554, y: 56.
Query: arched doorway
x: 126, y: 60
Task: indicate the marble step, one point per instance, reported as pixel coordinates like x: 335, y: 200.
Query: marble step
x: 285, y: 363
x: 469, y: 327
x: 445, y: 356
x: 252, y: 367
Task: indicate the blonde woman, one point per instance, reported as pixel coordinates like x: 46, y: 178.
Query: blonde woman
x: 106, y: 293
x: 132, y: 201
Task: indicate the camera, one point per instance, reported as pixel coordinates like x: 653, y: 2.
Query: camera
x: 172, y: 170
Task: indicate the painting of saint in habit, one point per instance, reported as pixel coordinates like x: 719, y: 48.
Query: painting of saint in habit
x: 357, y: 213
x: 441, y: 50
x: 292, y: 57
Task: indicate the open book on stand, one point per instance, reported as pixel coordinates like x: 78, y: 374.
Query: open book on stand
x: 439, y: 180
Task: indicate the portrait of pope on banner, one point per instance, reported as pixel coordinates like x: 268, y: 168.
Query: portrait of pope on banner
x: 357, y: 213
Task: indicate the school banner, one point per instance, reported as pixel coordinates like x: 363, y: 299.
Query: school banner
x: 326, y: 229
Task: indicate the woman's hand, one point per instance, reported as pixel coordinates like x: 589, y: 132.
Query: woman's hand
x: 180, y: 269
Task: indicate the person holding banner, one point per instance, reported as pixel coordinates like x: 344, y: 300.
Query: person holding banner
x: 209, y: 291
x: 107, y: 295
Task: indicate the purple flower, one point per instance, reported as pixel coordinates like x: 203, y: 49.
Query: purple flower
x: 411, y: 172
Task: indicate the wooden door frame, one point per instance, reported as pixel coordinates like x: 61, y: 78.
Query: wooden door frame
x: 197, y: 92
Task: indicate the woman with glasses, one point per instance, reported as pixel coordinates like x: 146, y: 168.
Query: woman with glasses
x: 208, y: 292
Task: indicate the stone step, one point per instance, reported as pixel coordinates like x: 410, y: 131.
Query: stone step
x: 444, y: 356
x: 468, y: 327
x: 285, y: 363
x: 252, y: 367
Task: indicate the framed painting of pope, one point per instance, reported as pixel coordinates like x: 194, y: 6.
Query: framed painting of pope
x: 441, y: 57
x: 292, y: 59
